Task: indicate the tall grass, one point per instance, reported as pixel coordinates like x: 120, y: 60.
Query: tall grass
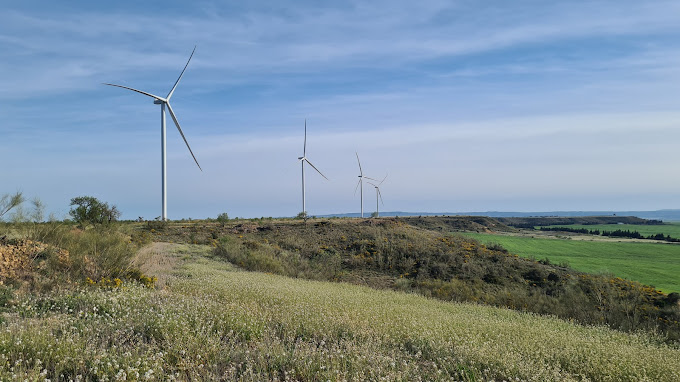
x: 216, y: 323
x: 388, y: 254
x: 71, y: 255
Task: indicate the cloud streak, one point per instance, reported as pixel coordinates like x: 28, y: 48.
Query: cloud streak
x: 464, y: 104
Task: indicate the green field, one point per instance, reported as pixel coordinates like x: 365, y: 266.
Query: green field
x: 649, y: 263
x: 671, y: 229
x: 212, y: 321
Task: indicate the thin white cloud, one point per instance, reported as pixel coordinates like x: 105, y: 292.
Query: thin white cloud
x: 456, y: 100
x: 334, y: 36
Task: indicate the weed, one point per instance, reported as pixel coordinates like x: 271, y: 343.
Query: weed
x: 386, y: 254
x: 52, y: 254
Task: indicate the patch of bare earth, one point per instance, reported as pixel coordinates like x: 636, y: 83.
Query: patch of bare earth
x: 19, y: 259
x: 158, y: 259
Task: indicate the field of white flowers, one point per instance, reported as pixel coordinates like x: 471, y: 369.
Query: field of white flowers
x: 213, y: 321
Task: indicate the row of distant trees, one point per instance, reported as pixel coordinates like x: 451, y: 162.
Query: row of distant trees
x: 85, y: 211
x: 615, y: 233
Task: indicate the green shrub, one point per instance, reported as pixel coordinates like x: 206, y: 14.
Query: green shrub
x: 223, y: 218
x: 73, y: 254
x: 496, y: 247
x: 141, y: 238
x: 87, y: 210
x: 156, y: 225
x: 6, y: 296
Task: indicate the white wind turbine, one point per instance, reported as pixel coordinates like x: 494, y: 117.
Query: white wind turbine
x: 304, y: 159
x: 361, y: 183
x: 166, y: 102
x: 378, y: 195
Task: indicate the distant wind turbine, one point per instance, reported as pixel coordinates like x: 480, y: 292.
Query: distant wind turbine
x: 361, y: 183
x: 166, y: 102
x: 378, y: 195
x: 304, y: 159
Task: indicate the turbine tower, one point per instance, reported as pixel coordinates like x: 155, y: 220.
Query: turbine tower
x: 304, y: 159
x: 361, y: 183
x: 166, y: 102
x: 378, y: 195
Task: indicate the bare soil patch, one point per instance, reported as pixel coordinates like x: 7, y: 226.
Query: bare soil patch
x: 158, y: 259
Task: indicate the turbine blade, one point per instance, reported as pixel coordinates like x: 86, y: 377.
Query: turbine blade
x: 357, y: 187
x: 381, y: 199
x: 174, y: 118
x: 372, y: 184
x: 138, y: 91
x: 304, y: 149
x: 365, y: 177
x: 358, y: 161
x: 381, y: 182
x: 180, y: 77
x: 317, y: 170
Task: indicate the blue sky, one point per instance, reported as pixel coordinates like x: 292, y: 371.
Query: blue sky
x: 467, y: 105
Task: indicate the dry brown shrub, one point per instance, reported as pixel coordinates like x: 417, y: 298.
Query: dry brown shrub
x: 19, y: 259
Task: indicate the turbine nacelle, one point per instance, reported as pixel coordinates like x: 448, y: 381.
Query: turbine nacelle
x: 166, y: 101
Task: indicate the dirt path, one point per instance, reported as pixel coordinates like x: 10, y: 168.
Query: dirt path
x: 162, y: 260
x: 158, y: 259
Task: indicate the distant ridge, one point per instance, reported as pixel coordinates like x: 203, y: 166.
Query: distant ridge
x: 665, y: 215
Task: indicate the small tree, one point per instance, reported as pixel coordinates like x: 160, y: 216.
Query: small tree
x: 8, y: 202
x: 302, y: 215
x: 223, y: 218
x: 88, y: 210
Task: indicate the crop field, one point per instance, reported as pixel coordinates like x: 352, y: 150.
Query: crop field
x: 212, y: 321
x: 670, y: 229
x: 654, y: 264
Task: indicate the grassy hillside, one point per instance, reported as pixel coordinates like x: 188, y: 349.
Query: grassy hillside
x: 77, y: 306
x: 649, y: 263
x: 214, y: 322
x: 390, y: 254
x: 457, y: 223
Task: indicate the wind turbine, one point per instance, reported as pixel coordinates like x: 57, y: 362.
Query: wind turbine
x: 378, y: 194
x: 166, y: 102
x: 361, y: 183
x: 304, y: 159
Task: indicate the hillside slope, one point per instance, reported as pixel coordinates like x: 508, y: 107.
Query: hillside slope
x: 391, y: 254
x: 214, y: 322
x: 457, y: 223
